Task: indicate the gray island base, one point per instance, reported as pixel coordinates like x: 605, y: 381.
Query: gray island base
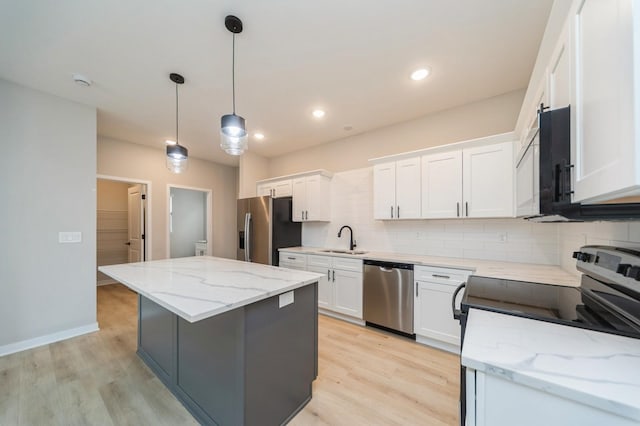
x: 253, y: 365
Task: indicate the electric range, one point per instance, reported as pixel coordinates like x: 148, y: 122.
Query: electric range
x: 607, y: 300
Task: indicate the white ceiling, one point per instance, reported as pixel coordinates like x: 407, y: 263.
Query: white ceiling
x: 352, y: 57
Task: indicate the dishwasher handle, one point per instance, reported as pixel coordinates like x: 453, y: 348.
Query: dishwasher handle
x: 456, y: 312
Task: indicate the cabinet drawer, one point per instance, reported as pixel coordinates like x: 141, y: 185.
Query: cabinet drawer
x: 317, y: 260
x: 346, y: 264
x: 442, y: 275
x: 295, y: 260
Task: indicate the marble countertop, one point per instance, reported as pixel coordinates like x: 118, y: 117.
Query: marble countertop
x: 597, y: 369
x: 200, y: 287
x: 548, y: 274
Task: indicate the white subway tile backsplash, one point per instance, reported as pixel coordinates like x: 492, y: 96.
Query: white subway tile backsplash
x: 514, y: 240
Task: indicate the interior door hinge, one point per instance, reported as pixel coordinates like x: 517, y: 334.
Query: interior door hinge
x: 144, y: 196
x: 143, y: 236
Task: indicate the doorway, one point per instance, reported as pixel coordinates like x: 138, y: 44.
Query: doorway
x: 189, y: 230
x: 122, y: 223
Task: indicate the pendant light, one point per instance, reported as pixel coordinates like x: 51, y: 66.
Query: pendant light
x: 177, y: 154
x: 233, y: 132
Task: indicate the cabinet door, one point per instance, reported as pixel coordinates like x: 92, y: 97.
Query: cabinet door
x: 264, y: 189
x: 559, y: 72
x: 325, y: 286
x: 408, y: 188
x: 488, y: 181
x: 317, y: 197
x: 605, y: 149
x: 299, y: 203
x: 282, y: 189
x: 347, y: 293
x: 384, y: 191
x: 433, y: 317
x: 442, y: 185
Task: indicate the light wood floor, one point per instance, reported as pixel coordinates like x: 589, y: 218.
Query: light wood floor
x: 366, y: 377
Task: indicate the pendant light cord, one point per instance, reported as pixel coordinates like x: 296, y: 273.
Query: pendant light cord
x: 177, y: 141
x: 233, y: 72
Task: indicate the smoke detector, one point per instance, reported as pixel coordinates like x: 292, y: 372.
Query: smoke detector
x: 82, y: 80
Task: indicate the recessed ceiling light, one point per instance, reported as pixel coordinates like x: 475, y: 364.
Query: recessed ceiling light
x: 420, y: 74
x: 258, y: 136
x: 318, y: 113
x: 170, y: 142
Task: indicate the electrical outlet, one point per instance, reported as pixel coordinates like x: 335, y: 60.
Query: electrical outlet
x: 502, y: 237
x: 70, y: 237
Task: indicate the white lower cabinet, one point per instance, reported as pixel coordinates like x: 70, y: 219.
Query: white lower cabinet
x: 495, y: 401
x: 433, y: 317
x: 340, y: 289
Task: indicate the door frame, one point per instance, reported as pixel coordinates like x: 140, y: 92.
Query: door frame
x: 209, y: 212
x: 147, y: 211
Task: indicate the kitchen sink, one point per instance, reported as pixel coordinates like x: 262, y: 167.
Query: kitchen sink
x: 355, y: 252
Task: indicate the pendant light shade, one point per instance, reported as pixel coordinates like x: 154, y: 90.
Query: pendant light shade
x: 177, y: 155
x: 233, y: 132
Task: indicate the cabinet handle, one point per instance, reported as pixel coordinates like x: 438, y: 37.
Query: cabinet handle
x: 291, y: 258
x: 302, y: 214
x: 334, y: 275
x: 328, y: 275
x: 398, y: 212
x: 458, y: 209
x: 466, y: 207
x: 306, y: 214
x: 416, y: 289
x: 446, y: 277
x: 391, y: 212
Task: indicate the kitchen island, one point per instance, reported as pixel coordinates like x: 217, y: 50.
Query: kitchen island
x: 235, y: 342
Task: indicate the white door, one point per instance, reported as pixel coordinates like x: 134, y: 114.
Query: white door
x: 560, y: 73
x: 282, y: 189
x: 408, y: 188
x: 384, y: 191
x: 442, y: 185
x: 314, y: 198
x: 347, y: 292
x: 135, y: 223
x: 487, y: 184
x: 264, y: 190
x: 299, y: 203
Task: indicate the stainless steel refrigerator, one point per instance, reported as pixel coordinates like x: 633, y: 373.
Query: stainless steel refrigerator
x: 265, y: 225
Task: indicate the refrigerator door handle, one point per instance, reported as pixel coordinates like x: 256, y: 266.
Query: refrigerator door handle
x: 247, y: 237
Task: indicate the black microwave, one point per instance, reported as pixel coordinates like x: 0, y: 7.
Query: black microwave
x: 555, y: 176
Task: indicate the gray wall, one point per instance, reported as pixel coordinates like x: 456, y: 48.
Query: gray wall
x: 139, y: 162
x: 48, y: 175
x: 189, y: 221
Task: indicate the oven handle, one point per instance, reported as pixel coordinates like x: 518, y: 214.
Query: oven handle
x: 456, y: 312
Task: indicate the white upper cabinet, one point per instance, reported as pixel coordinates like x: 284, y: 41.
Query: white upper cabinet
x: 276, y: 189
x: 472, y: 182
x: 311, y: 198
x: 606, y: 99
x: 442, y: 185
x: 488, y: 180
x: 396, y: 189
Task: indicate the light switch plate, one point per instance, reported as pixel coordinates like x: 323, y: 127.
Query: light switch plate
x: 70, y: 237
x: 285, y: 299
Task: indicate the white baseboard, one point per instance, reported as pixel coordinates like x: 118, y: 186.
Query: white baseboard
x: 438, y: 344
x: 342, y: 317
x: 49, y: 338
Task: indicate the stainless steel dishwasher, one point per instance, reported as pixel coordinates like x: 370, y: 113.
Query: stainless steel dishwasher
x: 388, y: 295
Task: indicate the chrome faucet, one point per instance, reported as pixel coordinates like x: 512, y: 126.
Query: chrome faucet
x: 352, y: 242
